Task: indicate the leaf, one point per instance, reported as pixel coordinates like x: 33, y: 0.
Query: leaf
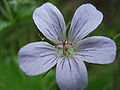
x: 100, y: 77
x: 10, y: 17
x: 12, y: 78
x: 24, y: 12
x: 117, y: 40
x: 7, y: 8
x: 4, y: 24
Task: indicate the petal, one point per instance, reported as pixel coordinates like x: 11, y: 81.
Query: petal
x: 36, y: 58
x: 97, y: 49
x: 49, y: 21
x: 71, y: 74
x: 85, y: 20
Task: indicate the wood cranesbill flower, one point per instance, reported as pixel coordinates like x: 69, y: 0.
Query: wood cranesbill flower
x: 70, y: 50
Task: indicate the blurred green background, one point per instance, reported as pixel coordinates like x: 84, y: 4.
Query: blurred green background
x: 17, y: 29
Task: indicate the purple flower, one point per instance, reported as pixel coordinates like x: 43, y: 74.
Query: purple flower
x: 70, y: 50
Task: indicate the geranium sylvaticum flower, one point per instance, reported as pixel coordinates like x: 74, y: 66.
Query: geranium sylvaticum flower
x: 69, y: 49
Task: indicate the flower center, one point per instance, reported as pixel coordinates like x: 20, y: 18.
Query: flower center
x: 65, y: 47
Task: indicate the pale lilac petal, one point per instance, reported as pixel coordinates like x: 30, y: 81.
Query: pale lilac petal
x: 49, y: 21
x: 85, y: 20
x: 97, y: 49
x: 71, y: 74
x: 36, y: 58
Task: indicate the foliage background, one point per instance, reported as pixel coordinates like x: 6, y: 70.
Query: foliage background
x: 17, y: 29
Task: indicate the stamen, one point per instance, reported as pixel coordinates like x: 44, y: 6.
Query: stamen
x: 64, y: 42
x: 66, y: 39
x: 60, y: 39
x: 56, y: 46
x: 63, y: 48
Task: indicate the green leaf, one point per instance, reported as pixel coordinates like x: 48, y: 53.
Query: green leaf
x: 12, y: 78
x: 117, y: 40
x: 10, y: 17
x: 8, y: 9
x: 24, y: 12
x: 4, y: 24
x: 100, y: 77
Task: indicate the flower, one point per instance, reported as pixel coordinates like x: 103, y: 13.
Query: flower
x: 70, y: 50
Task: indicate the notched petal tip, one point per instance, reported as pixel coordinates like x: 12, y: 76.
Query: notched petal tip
x: 89, y: 5
x: 92, y: 7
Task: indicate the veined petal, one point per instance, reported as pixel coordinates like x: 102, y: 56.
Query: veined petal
x: 49, y: 21
x: 36, y: 58
x: 85, y: 20
x: 71, y: 74
x: 97, y: 49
